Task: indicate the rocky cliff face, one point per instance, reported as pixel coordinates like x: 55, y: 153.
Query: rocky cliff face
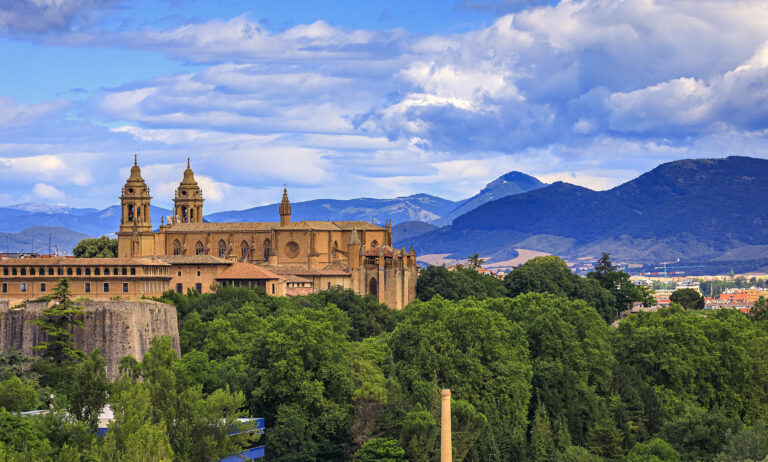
x: 116, y: 328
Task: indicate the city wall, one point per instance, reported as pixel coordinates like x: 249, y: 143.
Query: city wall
x: 116, y: 328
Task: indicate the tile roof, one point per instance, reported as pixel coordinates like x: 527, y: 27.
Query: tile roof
x: 71, y: 261
x: 193, y: 260
x: 245, y: 270
x: 294, y: 278
x: 268, y: 226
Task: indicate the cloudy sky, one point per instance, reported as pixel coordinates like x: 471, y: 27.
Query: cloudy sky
x: 351, y: 98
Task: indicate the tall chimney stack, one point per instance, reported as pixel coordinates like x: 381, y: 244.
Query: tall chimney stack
x: 446, y: 449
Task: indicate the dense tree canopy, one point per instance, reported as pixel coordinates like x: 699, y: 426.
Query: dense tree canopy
x: 536, y: 374
x: 690, y: 299
x: 100, y: 247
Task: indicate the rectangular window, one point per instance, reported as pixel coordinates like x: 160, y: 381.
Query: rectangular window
x: 23, y: 286
x: 5, y: 271
x: 198, y: 273
x: 13, y: 271
x: 133, y: 271
x: 87, y: 287
x: 69, y: 271
x: 179, y: 288
x: 106, y: 287
x: 125, y: 287
x: 199, y: 287
x: 60, y: 271
x: 5, y: 287
x: 50, y: 271
x: 42, y: 287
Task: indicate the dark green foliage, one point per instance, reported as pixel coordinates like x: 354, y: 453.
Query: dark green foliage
x: 749, y: 443
x: 17, y: 396
x: 367, y: 316
x: 479, y: 355
x: 551, y: 275
x: 656, y: 450
x: 759, y: 311
x: 380, y: 450
x: 58, y: 322
x: 624, y: 292
x: 457, y: 284
x: 88, y: 393
x: 689, y: 299
x: 101, y: 247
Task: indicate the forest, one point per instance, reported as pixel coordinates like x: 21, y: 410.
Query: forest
x: 537, y: 367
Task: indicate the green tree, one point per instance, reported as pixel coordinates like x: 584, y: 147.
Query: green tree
x: 619, y: 285
x: 88, y: 392
x: 101, y: 247
x: 656, y: 450
x: 132, y: 435
x: 551, y: 275
x: 419, y: 434
x: 457, y: 284
x: 542, y: 441
x: 16, y: 396
x: 749, y: 443
x: 199, y: 426
x: 575, y: 454
x: 690, y: 299
x: 478, y: 354
x: 474, y: 261
x: 58, y: 322
x: 759, y: 311
x: 380, y: 450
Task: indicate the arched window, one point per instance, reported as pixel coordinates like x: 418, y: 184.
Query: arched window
x: 191, y: 215
x: 244, y: 250
x: 374, y: 244
x: 138, y: 213
x: 335, y: 248
x: 176, y: 247
x: 184, y: 218
x: 267, y: 248
x: 199, y: 249
x: 130, y: 212
x: 373, y: 287
x: 222, y: 248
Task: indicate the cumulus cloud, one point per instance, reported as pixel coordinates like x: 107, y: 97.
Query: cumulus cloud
x: 587, y: 91
x: 33, y: 17
x: 47, y: 192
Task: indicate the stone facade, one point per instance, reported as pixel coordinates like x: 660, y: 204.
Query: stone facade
x: 30, y: 278
x: 327, y: 253
x: 116, y: 328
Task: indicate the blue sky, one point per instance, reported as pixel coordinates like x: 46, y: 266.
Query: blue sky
x: 351, y: 98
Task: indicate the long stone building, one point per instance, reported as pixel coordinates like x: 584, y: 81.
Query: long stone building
x: 284, y: 257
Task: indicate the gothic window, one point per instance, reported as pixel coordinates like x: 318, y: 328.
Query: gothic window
x: 199, y: 249
x: 222, y: 248
x: 244, y: 250
x: 267, y: 248
x: 373, y: 287
x: 176, y: 247
x: 374, y: 244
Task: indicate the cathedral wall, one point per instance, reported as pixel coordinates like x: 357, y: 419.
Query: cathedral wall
x: 116, y: 328
x: 197, y: 277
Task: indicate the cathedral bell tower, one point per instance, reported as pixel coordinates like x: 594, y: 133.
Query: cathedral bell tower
x: 188, y: 203
x: 285, y: 209
x: 135, y: 237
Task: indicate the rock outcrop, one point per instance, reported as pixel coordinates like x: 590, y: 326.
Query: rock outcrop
x: 116, y: 328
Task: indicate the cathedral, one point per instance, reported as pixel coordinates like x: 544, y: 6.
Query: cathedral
x: 284, y: 257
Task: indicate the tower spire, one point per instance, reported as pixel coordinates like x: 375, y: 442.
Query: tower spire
x: 285, y: 208
x: 136, y: 159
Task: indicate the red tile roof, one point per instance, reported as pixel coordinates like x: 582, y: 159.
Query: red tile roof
x: 245, y: 270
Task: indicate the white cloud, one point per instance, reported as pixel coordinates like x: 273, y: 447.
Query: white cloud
x: 48, y: 192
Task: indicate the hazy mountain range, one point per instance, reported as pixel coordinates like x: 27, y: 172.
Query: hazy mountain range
x: 690, y: 209
x: 693, y: 209
x: 418, y: 209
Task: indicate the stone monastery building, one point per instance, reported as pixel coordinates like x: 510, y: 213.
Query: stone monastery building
x: 284, y: 257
